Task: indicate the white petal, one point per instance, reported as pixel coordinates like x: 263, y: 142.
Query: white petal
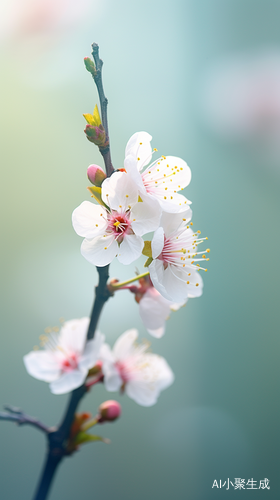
x: 68, y: 382
x: 177, y: 305
x: 72, y: 337
x: 91, y: 353
x: 130, y: 248
x: 42, y: 365
x: 101, y: 250
x: 145, y: 215
x: 177, y: 205
x: 124, y: 345
x: 119, y: 191
x: 112, y: 379
x: 154, y: 310
x: 171, y: 222
x: 157, y: 242
x: 157, y: 276
x: 89, y: 220
x: 139, y: 147
x: 155, y: 376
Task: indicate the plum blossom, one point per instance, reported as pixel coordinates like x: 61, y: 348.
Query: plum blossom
x: 117, y: 228
x: 162, y: 178
x: 66, y: 358
x: 140, y: 374
x: 154, y: 309
x: 174, y: 269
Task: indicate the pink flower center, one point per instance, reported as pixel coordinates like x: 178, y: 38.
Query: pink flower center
x: 125, y: 370
x: 119, y: 224
x: 70, y: 363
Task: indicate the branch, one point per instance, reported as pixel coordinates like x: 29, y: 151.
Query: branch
x: 103, y: 105
x: 18, y: 416
x: 57, y: 439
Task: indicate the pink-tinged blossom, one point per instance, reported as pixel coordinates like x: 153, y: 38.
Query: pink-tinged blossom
x: 154, y: 310
x: 162, y: 179
x: 66, y: 358
x: 174, y: 269
x: 129, y: 367
x: 118, y: 229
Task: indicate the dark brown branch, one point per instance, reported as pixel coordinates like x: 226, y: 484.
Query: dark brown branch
x: 103, y: 105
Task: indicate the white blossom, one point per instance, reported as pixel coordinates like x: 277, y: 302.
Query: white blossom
x: 140, y: 374
x: 154, y: 310
x: 174, y: 269
x: 118, y: 229
x: 66, y: 358
x: 162, y: 179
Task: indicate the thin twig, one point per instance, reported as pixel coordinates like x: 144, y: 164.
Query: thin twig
x: 16, y: 415
x: 103, y: 105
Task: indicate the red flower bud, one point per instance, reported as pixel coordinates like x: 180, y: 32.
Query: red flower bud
x: 95, y: 175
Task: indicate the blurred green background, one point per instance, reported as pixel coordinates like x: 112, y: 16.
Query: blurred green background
x: 220, y: 419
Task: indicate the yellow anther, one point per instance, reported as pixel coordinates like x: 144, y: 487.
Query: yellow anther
x: 191, y: 224
x: 192, y: 261
x: 96, y: 225
x: 140, y: 143
x: 171, y: 197
x: 117, y: 223
x: 120, y: 206
x: 184, y: 219
x: 204, y: 256
x: 188, y: 282
x: 206, y: 238
x: 155, y: 149
x: 197, y: 284
x: 165, y: 189
x: 138, y: 159
x: 205, y: 270
x: 188, y: 227
x: 165, y: 197
x: 105, y: 248
x: 167, y: 166
x: 126, y: 195
x: 184, y: 265
x: 207, y: 250
x: 189, y: 274
x: 181, y: 168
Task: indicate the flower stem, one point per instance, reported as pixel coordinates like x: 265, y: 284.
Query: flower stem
x: 117, y: 286
x: 103, y: 105
x: 88, y: 425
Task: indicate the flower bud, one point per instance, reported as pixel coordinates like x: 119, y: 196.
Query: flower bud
x: 96, y: 135
x: 109, y: 411
x: 96, y: 175
x: 90, y: 66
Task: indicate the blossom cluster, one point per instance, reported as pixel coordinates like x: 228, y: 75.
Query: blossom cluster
x: 140, y: 198
x: 143, y: 197
x: 68, y: 360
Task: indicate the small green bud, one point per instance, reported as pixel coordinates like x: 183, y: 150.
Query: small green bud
x: 90, y: 66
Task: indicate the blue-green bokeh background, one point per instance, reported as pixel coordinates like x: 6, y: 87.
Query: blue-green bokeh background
x: 220, y: 419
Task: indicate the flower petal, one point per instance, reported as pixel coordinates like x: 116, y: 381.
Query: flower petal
x: 155, y: 376
x: 101, y: 250
x: 42, y: 365
x: 154, y: 310
x: 157, y: 243
x: 89, y: 220
x: 91, y: 352
x: 130, y: 248
x: 73, y: 333
x: 68, y: 382
x: 140, y: 148
x: 112, y: 378
x: 119, y: 191
x: 171, y: 222
x: 124, y: 345
x: 145, y: 215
